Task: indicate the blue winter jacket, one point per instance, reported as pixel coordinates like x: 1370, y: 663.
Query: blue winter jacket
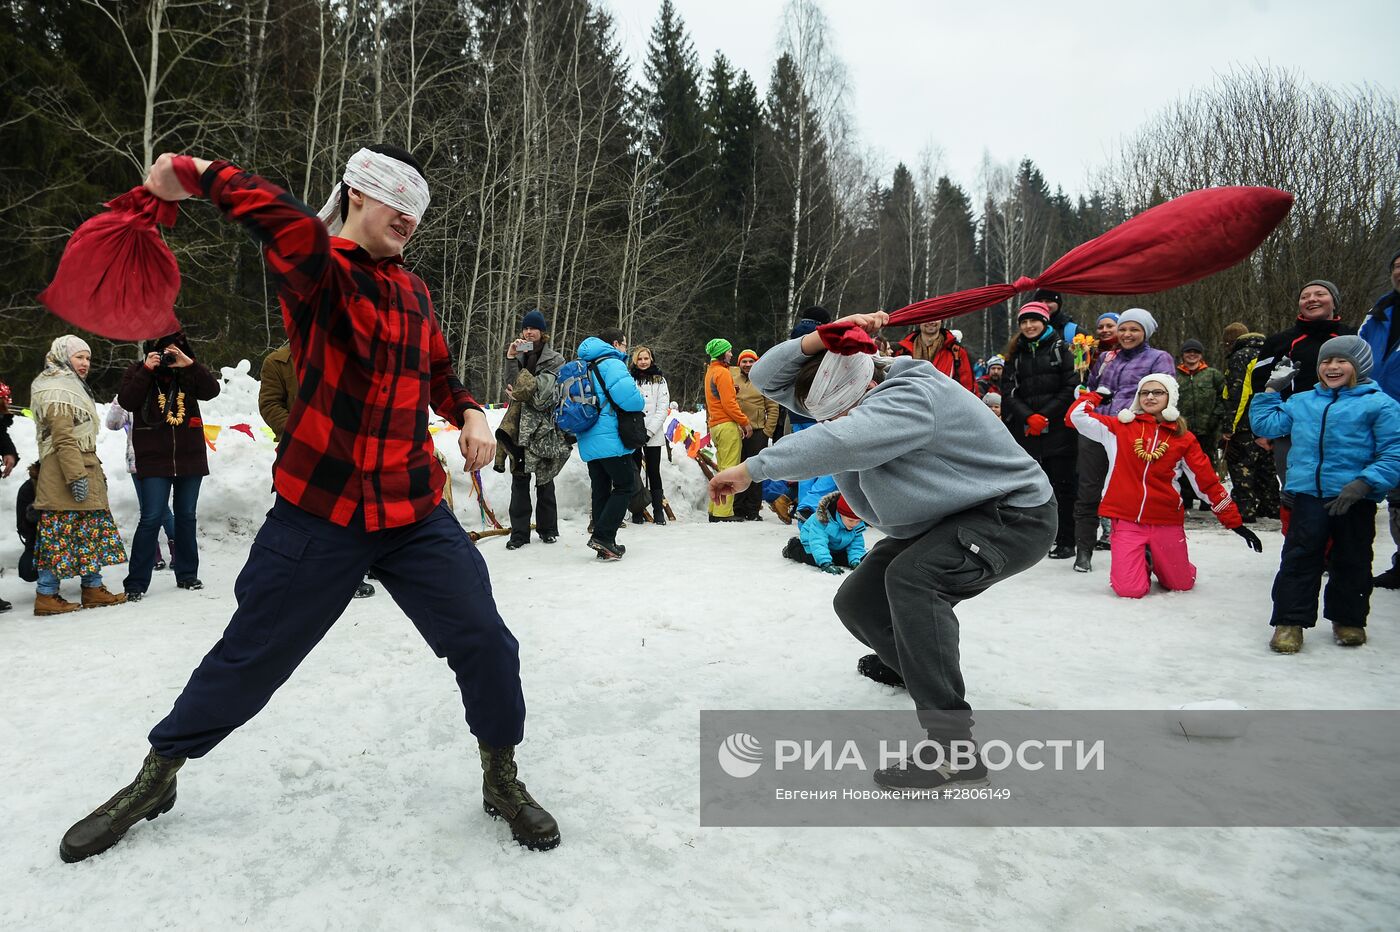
x: 810, y: 492
x: 1386, y: 369
x: 1338, y: 435
x: 601, y: 441
x: 820, y: 538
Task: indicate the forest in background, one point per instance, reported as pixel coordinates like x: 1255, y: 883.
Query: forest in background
x: 699, y: 201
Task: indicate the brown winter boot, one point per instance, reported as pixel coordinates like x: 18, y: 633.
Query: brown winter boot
x: 151, y: 794
x: 1287, y: 639
x: 782, y: 507
x: 53, y: 605
x: 98, y: 596
x: 1349, y: 635
x: 505, y: 797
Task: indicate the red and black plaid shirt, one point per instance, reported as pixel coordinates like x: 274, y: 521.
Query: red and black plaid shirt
x: 369, y: 357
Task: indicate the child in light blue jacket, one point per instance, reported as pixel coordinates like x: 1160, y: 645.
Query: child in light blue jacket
x: 833, y: 538
x: 1344, y: 458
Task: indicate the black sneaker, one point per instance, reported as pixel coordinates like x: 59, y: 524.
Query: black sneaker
x: 159, y: 565
x: 872, y: 667
x: 5, y: 606
x: 515, y: 544
x: 917, y: 771
x: 1062, y: 552
x: 190, y: 584
x: 364, y: 590
x: 549, y: 538
x: 1390, y: 579
x: 640, y: 519
x: 1103, y: 545
x: 792, y: 550
x: 608, y: 550
x: 134, y: 596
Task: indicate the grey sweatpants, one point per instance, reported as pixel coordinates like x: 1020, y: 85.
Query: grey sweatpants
x: 899, y: 602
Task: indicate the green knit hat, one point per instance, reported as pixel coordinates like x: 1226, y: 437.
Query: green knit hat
x: 718, y: 347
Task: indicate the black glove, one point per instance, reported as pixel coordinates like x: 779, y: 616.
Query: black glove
x: 1250, y: 538
x: 79, y: 488
x: 1351, y: 493
x: 832, y: 568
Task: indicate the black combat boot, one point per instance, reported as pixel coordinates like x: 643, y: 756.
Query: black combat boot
x: 658, y: 508
x: 151, y: 794
x: 505, y: 797
x: 1083, y: 559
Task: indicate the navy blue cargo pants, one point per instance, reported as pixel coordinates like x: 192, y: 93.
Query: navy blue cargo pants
x: 1306, y: 556
x: 299, y: 577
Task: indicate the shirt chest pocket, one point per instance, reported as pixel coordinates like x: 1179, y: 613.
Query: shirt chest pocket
x: 402, y: 333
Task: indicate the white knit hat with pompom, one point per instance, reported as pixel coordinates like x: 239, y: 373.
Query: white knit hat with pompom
x: 1169, y: 413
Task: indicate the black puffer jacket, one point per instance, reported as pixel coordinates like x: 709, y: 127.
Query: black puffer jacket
x: 1039, y: 378
x: 1243, y: 352
x: 1299, y: 343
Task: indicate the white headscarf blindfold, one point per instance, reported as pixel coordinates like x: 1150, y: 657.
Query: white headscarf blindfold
x: 383, y: 178
x: 841, y: 381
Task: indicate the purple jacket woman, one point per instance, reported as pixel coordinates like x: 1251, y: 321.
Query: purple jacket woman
x: 1125, y: 369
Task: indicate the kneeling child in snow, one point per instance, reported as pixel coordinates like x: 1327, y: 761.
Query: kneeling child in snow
x: 1149, y: 449
x: 833, y: 538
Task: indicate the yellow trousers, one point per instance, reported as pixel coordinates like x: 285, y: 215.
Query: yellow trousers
x: 729, y: 444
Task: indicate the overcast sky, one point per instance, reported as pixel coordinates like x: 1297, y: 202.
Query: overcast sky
x: 1061, y: 82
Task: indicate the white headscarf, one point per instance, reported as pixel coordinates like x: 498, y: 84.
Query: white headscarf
x: 840, y: 382
x: 59, y: 390
x: 383, y: 178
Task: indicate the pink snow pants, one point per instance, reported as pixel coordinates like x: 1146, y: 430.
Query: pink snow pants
x: 1128, y: 574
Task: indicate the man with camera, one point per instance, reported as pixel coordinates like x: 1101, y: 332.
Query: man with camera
x: 527, y: 435
x: 162, y: 391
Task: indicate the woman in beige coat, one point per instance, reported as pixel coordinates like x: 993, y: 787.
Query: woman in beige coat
x: 77, y: 536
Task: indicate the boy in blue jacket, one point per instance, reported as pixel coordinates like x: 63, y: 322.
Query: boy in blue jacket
x: 1345, y: 456
x: 832, y: 539
x: 610, y: 468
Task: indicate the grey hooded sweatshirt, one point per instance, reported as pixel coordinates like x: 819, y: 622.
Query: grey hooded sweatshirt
x: 917, y: 448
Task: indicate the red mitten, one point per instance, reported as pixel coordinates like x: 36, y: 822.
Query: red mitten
x: 846, y: 339
x: 1036, y: 424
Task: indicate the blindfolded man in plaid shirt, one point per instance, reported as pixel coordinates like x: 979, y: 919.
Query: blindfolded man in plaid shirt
x: 356, y: 481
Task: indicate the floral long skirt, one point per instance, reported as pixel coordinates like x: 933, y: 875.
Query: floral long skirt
x: 76, y: 543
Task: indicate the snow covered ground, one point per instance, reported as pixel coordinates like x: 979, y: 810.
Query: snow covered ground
x: 353, y: 801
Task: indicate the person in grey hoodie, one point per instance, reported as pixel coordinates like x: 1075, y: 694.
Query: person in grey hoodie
x: 961, y: 505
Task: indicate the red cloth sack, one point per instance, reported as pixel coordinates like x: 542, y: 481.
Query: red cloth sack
x: 117, y: 278
x: 1172, y: 244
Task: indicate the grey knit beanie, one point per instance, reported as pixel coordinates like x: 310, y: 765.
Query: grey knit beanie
x: 1331, y: 288
x: 1350, y: 347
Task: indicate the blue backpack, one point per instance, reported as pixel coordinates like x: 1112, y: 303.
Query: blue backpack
x: 576, y: 404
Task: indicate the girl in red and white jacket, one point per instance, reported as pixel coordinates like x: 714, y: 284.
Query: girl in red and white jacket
x: 1149, y: 449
